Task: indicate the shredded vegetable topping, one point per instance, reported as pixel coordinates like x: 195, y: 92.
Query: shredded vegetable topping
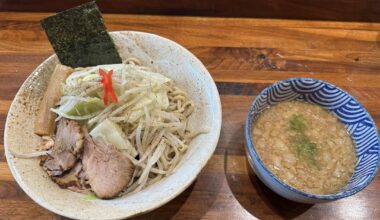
x: 147, y: 119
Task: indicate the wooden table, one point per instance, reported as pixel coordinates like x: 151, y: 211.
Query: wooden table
x: 243, y: 56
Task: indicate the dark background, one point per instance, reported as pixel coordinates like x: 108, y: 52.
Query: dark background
x: 333, y: 10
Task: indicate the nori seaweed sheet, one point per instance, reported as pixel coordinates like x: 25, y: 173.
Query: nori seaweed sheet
x: 79, y: 37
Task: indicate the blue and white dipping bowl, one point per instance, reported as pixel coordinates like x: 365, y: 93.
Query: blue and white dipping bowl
x: 357, y: 120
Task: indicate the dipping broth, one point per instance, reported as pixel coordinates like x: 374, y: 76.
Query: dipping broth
x: 305, y: 146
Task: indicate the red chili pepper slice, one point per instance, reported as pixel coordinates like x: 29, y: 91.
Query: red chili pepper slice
x: 107, y: 86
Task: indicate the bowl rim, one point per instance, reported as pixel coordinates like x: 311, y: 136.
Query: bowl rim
x: 174, y: 193
x: 252, y: 151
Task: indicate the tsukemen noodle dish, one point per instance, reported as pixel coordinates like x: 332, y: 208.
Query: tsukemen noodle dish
x: 305, y: 146
x: 109, y: 126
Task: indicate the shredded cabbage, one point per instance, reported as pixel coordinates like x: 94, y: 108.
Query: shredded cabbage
x: 112, y: 133
x: 81, y: 107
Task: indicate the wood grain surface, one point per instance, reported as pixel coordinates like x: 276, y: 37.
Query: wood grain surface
x: 243, y: 56
x: 333, y: 10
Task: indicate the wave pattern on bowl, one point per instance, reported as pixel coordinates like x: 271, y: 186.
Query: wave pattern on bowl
x: 358, y: 122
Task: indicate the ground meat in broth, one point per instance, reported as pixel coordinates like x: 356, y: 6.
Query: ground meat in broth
x: 305, y: 146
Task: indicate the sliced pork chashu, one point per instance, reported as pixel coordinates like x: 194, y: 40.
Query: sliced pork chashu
x: 67, y: 148
x: 107, y: 170
x: 72, y: 178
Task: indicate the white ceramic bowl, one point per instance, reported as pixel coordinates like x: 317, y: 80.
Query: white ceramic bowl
x: 163, y: 55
